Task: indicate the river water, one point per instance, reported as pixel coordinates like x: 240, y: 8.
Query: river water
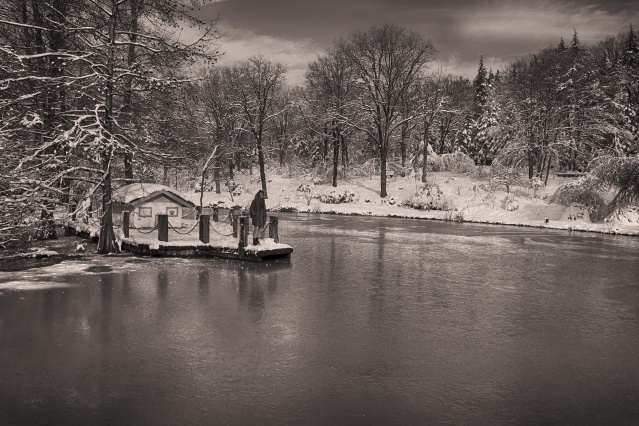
x: 371, y: 321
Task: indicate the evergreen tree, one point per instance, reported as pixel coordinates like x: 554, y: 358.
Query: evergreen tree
x: 630, y: 80
x: 562, y: 45
x: 574, y: 43
x: 476, y: 138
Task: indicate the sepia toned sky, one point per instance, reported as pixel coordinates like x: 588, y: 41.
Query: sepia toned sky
x: 295, y: 31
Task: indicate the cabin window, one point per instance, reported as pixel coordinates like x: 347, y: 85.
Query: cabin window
x: 145, y: 212
x: 172, y: 211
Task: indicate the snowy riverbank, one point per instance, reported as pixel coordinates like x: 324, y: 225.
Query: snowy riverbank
x: 451, y: 196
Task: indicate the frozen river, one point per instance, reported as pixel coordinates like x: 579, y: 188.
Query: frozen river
x: 372, y: 321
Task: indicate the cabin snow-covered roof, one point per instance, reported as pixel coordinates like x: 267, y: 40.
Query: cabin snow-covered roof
x: 136, y: 193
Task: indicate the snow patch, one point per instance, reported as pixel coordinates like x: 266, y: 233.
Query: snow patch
x: 31, y: 285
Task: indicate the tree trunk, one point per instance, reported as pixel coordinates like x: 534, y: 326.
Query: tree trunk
x: 325, y: 150
x: 260, y: 159
x: 548, y: 169
x: 344, y: 153
x: 231, y: 164
x: 281, y: 152
x: 425, y: 168
x: 165, y: 177
x: 128, y: 92
x: 531, y: 164
x: 336, y: 142
x: 402, y: 143
x: 382, y: 166
x: 106, y: 243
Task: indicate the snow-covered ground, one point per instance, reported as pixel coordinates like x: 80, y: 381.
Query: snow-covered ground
x: 462, y: 198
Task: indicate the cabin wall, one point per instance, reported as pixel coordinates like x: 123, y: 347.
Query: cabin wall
x: 159, y: 205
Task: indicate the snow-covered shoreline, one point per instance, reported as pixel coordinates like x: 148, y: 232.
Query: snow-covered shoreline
x: 469, y: 200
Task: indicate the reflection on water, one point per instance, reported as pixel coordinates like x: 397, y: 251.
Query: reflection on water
x: 371, y: 321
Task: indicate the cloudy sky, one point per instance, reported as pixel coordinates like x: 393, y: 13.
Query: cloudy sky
x: 295, y: 31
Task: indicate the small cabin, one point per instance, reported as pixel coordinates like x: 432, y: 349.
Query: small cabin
x: 145, y: 201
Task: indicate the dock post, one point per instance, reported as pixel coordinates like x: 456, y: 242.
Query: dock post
x: 244, y: 229
x: 216, y: 176
x: 234, y: 216
x: 125, y: 223
x: 204, y: 228
x: 163, y: 227
x: 216, y: 212
x: 272, y: 229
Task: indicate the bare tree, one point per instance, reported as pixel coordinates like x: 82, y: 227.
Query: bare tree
x: 258, y: 81
x: 330, y: 82
x: 96, y: 72
x: 386, y: 62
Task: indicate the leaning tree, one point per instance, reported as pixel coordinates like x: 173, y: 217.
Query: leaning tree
x: 112, y: 50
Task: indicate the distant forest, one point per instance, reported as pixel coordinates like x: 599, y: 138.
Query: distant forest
x: 99, y: 93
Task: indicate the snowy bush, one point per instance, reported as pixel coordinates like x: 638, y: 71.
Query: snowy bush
x: 535, y: 184
x: 429, y: 197
x: 504, y: 176
x: 583, y: 192
x: 306, y: 189
x: 510, y: 203
x: 453, y: 215
x: 478, y: 172
x: 332, y: 196
x: 620, y: 173
x: 457, y: 162
x: 433, y: 160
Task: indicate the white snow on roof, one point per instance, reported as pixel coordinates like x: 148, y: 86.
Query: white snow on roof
x: 129, y: 193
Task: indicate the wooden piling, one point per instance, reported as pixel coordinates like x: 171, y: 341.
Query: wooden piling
x: 205, y: 229
x: 273, y: 229
x: 244, y: 230
x: 125, y: 223
x: 163, y: 227
x: 234, y: 217
x: 217, y: 181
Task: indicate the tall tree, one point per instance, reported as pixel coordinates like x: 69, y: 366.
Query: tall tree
x: 95, y: 73
x: 477, y: 137
x: 258, y: 81
x: 330, y: 82
x: 386, y: 62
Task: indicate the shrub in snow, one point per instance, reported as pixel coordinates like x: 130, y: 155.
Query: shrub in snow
x: 334, y: 197
x: 620, y: 173
x: 510, y: 203
x: 504, y: 176
x: 429, y: 197
x: 535, y: 184
x: 286, y: 209
x: 457, y: 162
x: 582, y: 192
x: 478, y: 172
x: 489, y: 198
x: 454, y: 215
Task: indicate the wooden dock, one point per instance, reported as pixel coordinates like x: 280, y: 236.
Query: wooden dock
x: 188, y: 249
x: 234, y: 245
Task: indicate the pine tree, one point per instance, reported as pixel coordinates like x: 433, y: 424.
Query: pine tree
x: 630, y: 56
x: 562, y: 45
x: 574, y: 43
x: 480, y: 83
x: 630, y: 79
x: 476, y: 138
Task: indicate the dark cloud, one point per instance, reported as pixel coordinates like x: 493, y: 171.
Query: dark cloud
x: 461, y: 30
